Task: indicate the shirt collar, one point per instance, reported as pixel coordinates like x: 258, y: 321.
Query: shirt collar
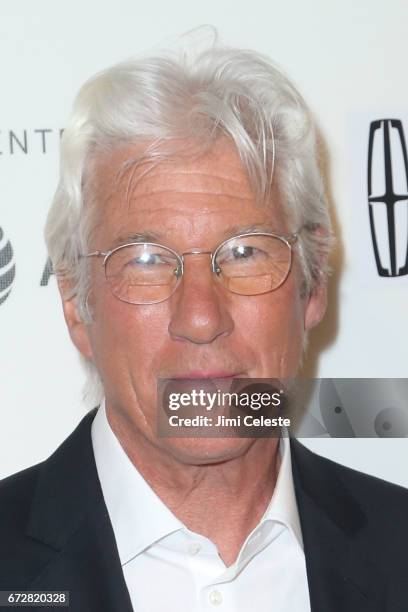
x: 283, y: 506
x: 140, y: 518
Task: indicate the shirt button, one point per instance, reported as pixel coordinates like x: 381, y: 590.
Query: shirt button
x: 194, y: 548
x: 215, y: 598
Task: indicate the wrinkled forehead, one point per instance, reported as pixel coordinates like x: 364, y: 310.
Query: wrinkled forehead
x: 144, y: 168
x: 136, y: 184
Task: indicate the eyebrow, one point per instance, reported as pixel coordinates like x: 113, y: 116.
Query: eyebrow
x: 230, y: 232
x: 137, y: 237
x: 256, y: 227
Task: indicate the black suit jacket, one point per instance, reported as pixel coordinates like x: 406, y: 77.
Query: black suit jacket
x: 55, y: 533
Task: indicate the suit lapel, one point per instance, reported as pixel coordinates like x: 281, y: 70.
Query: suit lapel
x: 69, y: 515
x: 342, y: 575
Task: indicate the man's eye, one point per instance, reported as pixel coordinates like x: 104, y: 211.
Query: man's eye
x: 243, y: 252
x: 148, y: 259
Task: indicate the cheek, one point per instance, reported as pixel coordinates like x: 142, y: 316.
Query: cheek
x: 273, y: 325
x: 126, y: 338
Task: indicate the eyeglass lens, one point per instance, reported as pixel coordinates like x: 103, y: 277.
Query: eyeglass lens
x: 248, y: 265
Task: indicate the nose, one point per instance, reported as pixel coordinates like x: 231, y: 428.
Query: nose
x: 199, y: 308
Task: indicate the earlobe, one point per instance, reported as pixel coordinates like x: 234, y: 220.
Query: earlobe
x: 316, y: 305
x: 77, y: 328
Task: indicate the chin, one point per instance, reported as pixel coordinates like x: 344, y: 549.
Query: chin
x: 202, y: 451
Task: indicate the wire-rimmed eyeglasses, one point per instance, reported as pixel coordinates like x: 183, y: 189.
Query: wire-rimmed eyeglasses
x: 149, y: 273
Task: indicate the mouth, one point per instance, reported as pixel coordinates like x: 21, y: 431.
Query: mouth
x: 206, y: 374
x: 209, y: 379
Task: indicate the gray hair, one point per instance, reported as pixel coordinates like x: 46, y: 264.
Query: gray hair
x: 190, y: 97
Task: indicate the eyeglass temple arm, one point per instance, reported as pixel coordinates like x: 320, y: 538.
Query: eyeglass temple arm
x: 309, y: 226
x: 95, y: 254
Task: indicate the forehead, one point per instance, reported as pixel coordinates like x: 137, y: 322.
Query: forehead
x: 185, y: 194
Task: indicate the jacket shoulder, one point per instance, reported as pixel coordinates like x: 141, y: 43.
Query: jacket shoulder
x: 37, y: 502
x: 378, y: 498
x: 16, y: 497
x: 16, y: 493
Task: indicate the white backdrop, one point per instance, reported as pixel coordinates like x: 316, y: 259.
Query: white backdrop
x: 349, y: 60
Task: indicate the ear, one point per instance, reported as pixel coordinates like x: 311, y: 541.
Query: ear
x: 78, y: 330
x: 316, y: 301
x: 316, y: 304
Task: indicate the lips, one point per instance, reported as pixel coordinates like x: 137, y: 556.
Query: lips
x: 201, y: 374
x: 205, y: 380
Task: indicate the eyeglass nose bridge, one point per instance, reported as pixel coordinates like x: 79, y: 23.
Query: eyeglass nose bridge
x: 196, y: 251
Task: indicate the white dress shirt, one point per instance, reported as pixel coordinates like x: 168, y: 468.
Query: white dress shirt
x: 168, y: 568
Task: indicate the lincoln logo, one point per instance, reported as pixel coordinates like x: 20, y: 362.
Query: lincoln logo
x: 7, y: 267
x: 388, y: 196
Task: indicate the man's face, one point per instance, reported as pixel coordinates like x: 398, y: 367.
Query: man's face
x: 202, y: 330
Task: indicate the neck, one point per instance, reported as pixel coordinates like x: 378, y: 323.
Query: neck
x: 223, y: 500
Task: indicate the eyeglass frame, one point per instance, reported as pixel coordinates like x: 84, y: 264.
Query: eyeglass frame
x: 289, y: 240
